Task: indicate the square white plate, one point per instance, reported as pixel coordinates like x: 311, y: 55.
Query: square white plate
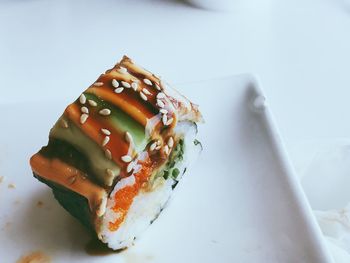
x: 240, y: 202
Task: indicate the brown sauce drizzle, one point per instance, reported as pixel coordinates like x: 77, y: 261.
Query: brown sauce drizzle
x: 129, y: 94
x: 92, y: 128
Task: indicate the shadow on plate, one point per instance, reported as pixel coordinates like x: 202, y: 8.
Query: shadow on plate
x: 43, y: 224
x: 345, y: 4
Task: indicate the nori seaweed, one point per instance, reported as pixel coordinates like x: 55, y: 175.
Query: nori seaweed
x: 73, y: 203
x: 67, y: 153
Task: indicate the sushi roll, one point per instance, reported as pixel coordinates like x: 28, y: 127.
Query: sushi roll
x: 116, y: 154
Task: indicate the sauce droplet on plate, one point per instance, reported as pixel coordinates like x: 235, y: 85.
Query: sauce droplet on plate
x: 35, y: 257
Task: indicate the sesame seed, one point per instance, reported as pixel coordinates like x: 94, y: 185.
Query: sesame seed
x: 146, y: 91
x: 160, y: 95
x: 119, y: 90
x: 153, y: 146
x: 148, y: 82
x: 101, y: 210
x: 143, y: 96
x: 163, y: 111
x: 158, y: 147
x: 82, y: 99
x: 126, y: 84
x: 105, y: 140
x: 122, y: 70
x: 105, y: 131
x: 157, y: 87
x: 171, y: 142
x: 64, y: 123
x: 126, y: 158
x: 169, y: 121
x: 164, y: 119
x: 134, y: 85
x: 108, y: 154
x: 160, y: 103
x: 72, y: 179
x: 98, y: 84
x: 137, y: 168
x: 83, y: 118
x: 110, y: 172
x: 11, y: 186
x: 84, y: 110
x: 92, y: 103
x: 105, y: 112
x: 115, y: 83
x: 130, y: 167
x: 128, y: 137
x: 166, y: 149
x: 83, y: 177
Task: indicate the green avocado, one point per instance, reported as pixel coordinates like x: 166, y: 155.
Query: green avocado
x: 94, y: 153
x: 123, y: 122
x: 170, y: 169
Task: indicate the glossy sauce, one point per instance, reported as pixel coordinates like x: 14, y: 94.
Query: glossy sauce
x: 71, y: 178
x: 92, y: 128
x: 140, y: 103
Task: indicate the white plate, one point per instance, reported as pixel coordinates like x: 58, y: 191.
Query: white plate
x: 239, y: 203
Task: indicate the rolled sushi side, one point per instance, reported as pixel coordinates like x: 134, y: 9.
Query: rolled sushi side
x: 118, y: 151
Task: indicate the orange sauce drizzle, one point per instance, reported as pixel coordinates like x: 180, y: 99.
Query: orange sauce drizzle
x: 61, y: 173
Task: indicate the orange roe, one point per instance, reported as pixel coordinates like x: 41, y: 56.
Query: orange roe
x: 124, y: 197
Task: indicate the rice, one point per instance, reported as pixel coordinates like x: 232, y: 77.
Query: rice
x: 148, y: 204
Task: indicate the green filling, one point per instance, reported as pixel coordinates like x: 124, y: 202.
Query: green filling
x: 169, y: 169
x: 93, y: 152
x: 90, y: 150
x: 122, y: 122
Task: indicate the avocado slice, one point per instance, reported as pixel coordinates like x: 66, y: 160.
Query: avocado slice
x: 123, y: 122
x: 93, y: 152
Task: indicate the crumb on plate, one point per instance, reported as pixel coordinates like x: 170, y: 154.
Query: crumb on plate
x: 11, y: 186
